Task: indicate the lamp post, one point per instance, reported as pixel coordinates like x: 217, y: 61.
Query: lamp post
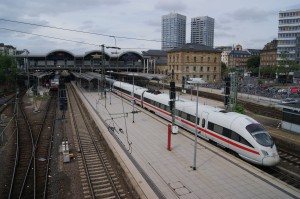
x: 195, y: 82
x: 96, y: 57
x: 27, y: 68
x: 103, y: 70
x: 110, y: 86
x: 133, y: 101
x: 117, y: 48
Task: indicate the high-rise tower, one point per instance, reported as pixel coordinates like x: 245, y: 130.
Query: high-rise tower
x: 173, y: 31
x: 202, y: 30
x: 288, y: 31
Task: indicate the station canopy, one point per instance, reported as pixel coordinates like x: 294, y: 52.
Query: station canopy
x: 144, y: 75
x: 88, y: 76
x: 91, y: 75
x: 41, y: 74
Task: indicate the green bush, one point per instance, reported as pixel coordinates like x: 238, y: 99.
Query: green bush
x: 240, y: 109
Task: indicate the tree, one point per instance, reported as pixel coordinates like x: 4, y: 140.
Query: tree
x: 224, y: 70
x: 286, y: 65
x: 253, y: 64
x: 8, y: 71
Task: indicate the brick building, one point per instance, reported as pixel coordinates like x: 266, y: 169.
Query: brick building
x: 195, y: 61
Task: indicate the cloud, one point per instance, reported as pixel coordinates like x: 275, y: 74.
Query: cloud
x: 170, y: 5
x: 153, y: 23
x: 36, y: 8
x: 250, y: 15
x: 224, y: 35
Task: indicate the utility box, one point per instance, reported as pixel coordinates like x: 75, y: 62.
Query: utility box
x: 66, y: 156
x: 174, y: 129
x: 65, y: 151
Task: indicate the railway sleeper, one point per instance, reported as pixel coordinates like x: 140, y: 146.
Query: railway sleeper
x: 95, y: 168
x: 105, y: 195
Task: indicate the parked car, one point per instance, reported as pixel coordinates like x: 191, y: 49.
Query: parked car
x: 282, y: 91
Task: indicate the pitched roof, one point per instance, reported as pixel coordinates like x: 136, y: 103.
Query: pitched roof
x: 195, y: 48
x: 159, y: 53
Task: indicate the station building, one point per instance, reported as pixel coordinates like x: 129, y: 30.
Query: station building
x: 90, y: 61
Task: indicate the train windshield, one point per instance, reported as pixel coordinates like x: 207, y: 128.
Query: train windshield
x: 260, y: 134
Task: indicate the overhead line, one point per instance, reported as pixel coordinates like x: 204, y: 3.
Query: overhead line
x: 79, y: 31
x: 57, y: 38
x: 80, y: 42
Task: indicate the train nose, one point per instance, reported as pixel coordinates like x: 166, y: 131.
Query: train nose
x: 272, y: 160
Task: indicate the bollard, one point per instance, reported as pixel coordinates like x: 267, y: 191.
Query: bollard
x: 169, y: 136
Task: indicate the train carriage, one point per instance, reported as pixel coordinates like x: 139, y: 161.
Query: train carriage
x: 239, y: 133
x: 54, y: 83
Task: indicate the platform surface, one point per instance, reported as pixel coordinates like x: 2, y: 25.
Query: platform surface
x: 170, y: 173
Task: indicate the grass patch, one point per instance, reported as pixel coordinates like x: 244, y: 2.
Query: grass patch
x: 44, y: 97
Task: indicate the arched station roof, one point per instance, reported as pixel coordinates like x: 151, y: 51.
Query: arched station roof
x: 130, y: 56
x: 60, y: 54
x: 89, y: 55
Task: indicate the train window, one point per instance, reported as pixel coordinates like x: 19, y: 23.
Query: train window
x: 259, y: 133
x: 203, y: 122
x: 226, y: 132
x: 210, y: 126
x: 245, y: 142
x: 147, y: 100
x: 188, y: 117
x: 198, y: 120
x: 184, y: 115
x: 137, y: 96
x: 167, y: 108
x: 152, y: 102
x: 179, y: 113
x: 192, y: 118
x: 158, y: 105
x: 235, y: 136
x: 218, y: 129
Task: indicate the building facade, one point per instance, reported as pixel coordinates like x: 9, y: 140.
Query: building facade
x: 225, y: 53
x: 173, y: 31
x: 7, y: 49
x: 268, y: 55
x: 202, y: 30
x: 237, y: 59
x: 195, y: 61
x: 155, y: 61
x: 288, y: 30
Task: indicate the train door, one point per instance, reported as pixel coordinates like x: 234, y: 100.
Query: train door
x: 142, y: 99
x: 203, y: 123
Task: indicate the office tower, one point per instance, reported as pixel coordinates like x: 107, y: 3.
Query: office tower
x: 173, y: 31
x: 288, y: 31
x: 202, y: 30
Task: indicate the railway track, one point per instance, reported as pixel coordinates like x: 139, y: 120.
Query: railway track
x: 43, y: 147
x: 33, y: 145
x: 23, y: 154
x: 100, y: 178
x: 287, y: 170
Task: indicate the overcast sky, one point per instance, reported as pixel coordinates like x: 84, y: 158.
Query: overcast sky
x: 249, y: 23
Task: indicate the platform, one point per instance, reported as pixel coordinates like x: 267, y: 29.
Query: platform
x: 160, y: 173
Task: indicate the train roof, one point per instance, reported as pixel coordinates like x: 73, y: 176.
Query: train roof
x: 129, y: 87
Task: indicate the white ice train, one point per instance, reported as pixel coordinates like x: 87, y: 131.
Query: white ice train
x: 234, y: 131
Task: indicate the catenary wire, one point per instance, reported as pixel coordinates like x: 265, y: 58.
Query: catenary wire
x: 80, y: 31
x: 57, y: 38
